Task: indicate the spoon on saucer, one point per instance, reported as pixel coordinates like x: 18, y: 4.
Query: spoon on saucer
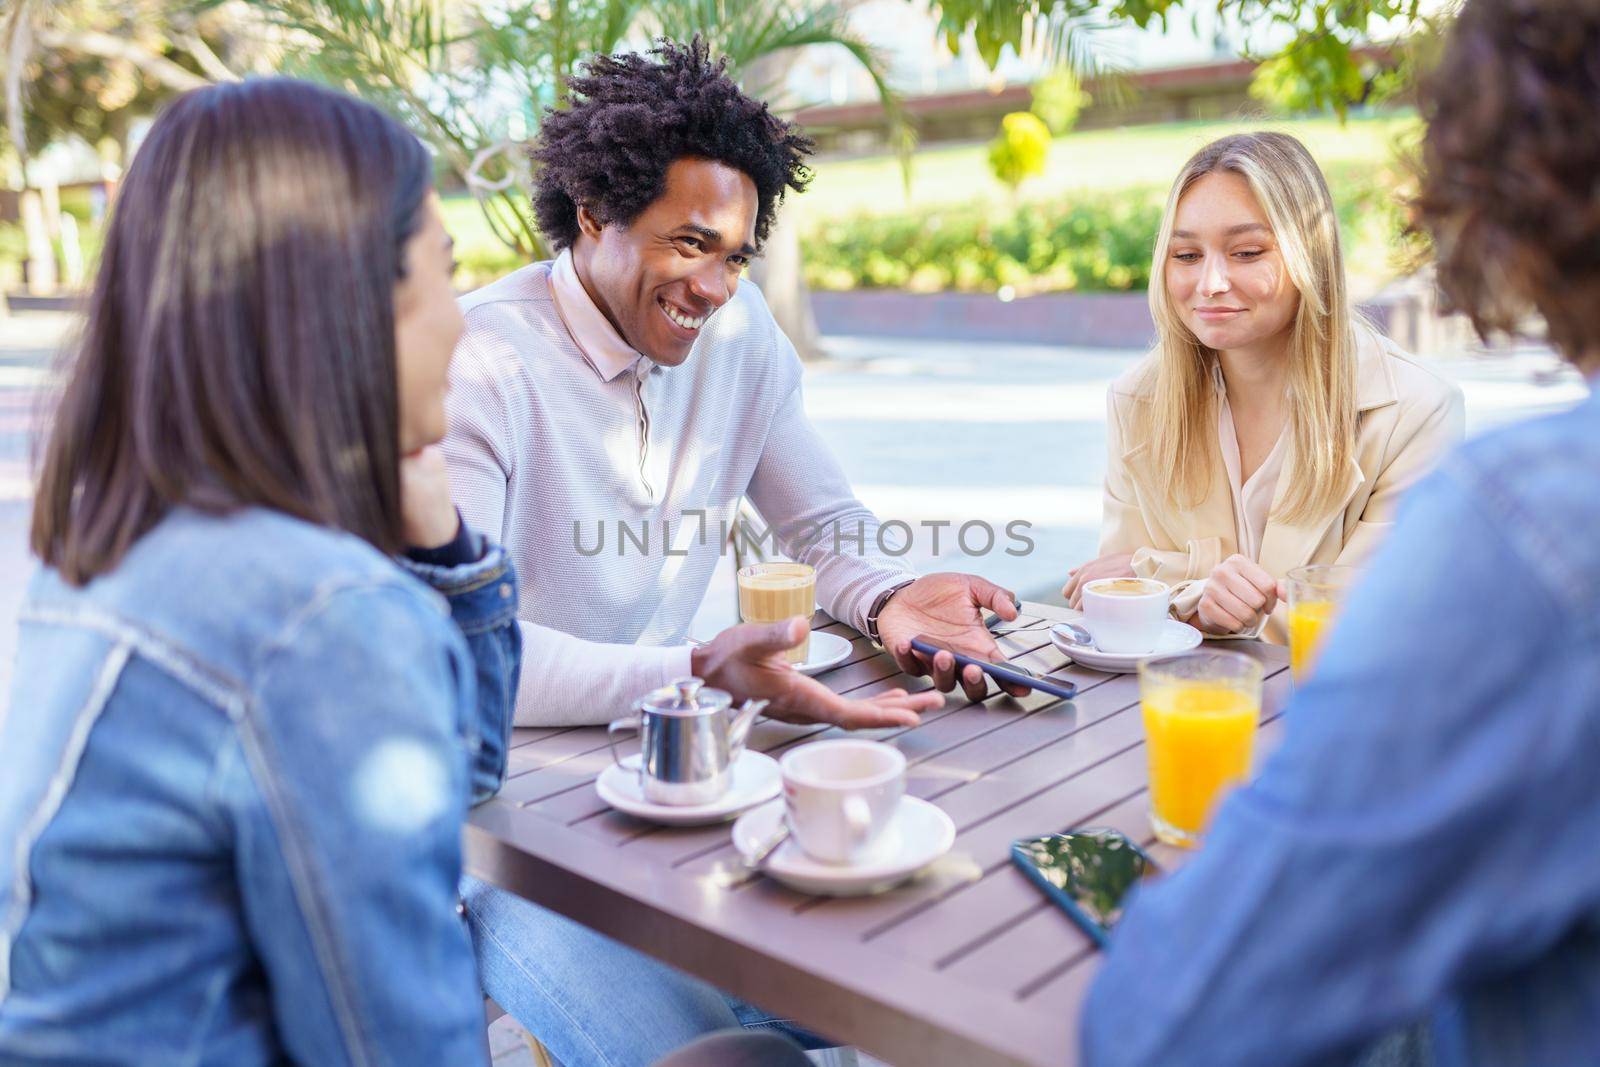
x: 756, y: 857
x: 1080, y: 636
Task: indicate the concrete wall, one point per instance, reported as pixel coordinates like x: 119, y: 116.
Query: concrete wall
x: 1405, y: 310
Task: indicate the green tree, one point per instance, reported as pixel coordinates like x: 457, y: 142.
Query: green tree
x: 90, y: 68
x: 1312, y: 71
x: 460, y: 76
x: 1058, y: 98
x: 473, y: 79
x: 1018, y: 152
x: 1318, y: 68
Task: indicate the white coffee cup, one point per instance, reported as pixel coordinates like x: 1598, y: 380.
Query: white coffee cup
x: 839, y: 796
x: 1125, y: 615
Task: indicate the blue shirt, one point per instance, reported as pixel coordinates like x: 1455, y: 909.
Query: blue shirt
x: 232, y: 783
x: 1425, y: 845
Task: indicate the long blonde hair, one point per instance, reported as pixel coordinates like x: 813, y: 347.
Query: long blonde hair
x: 1179, y: 423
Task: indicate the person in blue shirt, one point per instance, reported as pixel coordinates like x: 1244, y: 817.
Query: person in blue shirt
x: 264, y: 670
x: 1419, y: 855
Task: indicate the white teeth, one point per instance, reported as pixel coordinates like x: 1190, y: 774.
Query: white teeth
x: 682, y: 320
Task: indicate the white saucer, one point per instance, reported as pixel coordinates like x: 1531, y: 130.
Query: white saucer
x: 756, y: 779
x: 826, y: 650
x: 1175, y: 637
x: 919, y: 834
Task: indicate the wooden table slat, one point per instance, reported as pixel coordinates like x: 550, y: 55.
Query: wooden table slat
x: 933, y: 931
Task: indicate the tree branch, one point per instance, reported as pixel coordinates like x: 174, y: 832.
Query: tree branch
x: 213, y: 67
x: 106, y: 46
x: 17, y: 48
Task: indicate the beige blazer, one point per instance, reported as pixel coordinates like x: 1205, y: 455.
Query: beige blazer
x: 1408, y: 417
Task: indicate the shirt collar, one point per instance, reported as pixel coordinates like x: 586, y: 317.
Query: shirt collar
x: 596, y: 338
x: 1374, y: 377
x: 1221, y: 382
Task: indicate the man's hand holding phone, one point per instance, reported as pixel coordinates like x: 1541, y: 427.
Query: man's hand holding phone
x: 1012, y: 678
x: 947, y: 609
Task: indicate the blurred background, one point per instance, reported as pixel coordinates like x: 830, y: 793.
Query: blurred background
x: 964, y: 276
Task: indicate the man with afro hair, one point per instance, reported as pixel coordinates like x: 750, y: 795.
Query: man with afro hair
x: 637, y: 384
x: 638, y: 381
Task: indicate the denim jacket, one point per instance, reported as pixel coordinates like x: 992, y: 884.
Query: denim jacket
x: 1422, y: 849
x: 233, y: 778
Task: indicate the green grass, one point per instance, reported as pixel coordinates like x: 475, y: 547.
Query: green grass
x: 480, y: 255
x: 464, y: 220
x: 1094, y: 160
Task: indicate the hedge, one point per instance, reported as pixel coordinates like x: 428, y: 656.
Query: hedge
x: 1090, y: 243
x: 1093, y: 242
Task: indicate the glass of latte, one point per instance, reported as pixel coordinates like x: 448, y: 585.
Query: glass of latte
x: 772, y: 592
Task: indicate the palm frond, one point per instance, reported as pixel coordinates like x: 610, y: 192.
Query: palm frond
x: 1060, y: 32
x: 617, y: 20
x: 749, y: 33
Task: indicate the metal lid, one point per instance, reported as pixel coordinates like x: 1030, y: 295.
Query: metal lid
x: 685, y: 696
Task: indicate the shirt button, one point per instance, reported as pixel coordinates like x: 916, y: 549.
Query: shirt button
x: 505, y: 591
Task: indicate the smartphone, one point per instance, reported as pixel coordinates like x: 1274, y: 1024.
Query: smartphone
x: 1086, y: 872
x: 1009, y: 673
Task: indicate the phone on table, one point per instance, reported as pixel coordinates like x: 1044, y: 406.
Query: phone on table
x: 1009, y: 673
x: 1086, y: 872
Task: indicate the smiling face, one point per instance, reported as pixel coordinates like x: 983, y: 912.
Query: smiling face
x: 662, y: 276
x: 1225, y: 275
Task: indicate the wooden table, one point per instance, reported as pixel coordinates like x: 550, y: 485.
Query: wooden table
x: 967, y: 965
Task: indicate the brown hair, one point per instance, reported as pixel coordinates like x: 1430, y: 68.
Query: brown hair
x: 1511, y: 168
x: 239, y: 347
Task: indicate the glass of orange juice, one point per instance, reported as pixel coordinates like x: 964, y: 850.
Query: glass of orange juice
x: 1315, y: 593
x: 1200, y: 715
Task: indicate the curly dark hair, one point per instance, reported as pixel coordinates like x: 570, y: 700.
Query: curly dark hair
x: 1511, y: 168
x: 632, y: 117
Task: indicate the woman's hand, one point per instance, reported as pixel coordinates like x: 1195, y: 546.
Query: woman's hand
x: 428, y: 515
x: 1238, y: 593
x: 1119, y: 565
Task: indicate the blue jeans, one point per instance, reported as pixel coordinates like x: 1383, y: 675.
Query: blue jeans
x: 591, y: 1001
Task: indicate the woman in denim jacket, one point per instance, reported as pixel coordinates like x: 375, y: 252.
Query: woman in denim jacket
x: 263, y: 672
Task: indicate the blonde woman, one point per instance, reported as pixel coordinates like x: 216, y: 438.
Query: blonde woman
x: 1270, y: 427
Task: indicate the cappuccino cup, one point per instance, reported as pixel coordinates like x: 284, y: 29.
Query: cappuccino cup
x: 839, y: 796
x: 1125, y: 615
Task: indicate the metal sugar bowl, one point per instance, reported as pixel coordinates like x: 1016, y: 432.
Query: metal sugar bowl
x: 690, y: 735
